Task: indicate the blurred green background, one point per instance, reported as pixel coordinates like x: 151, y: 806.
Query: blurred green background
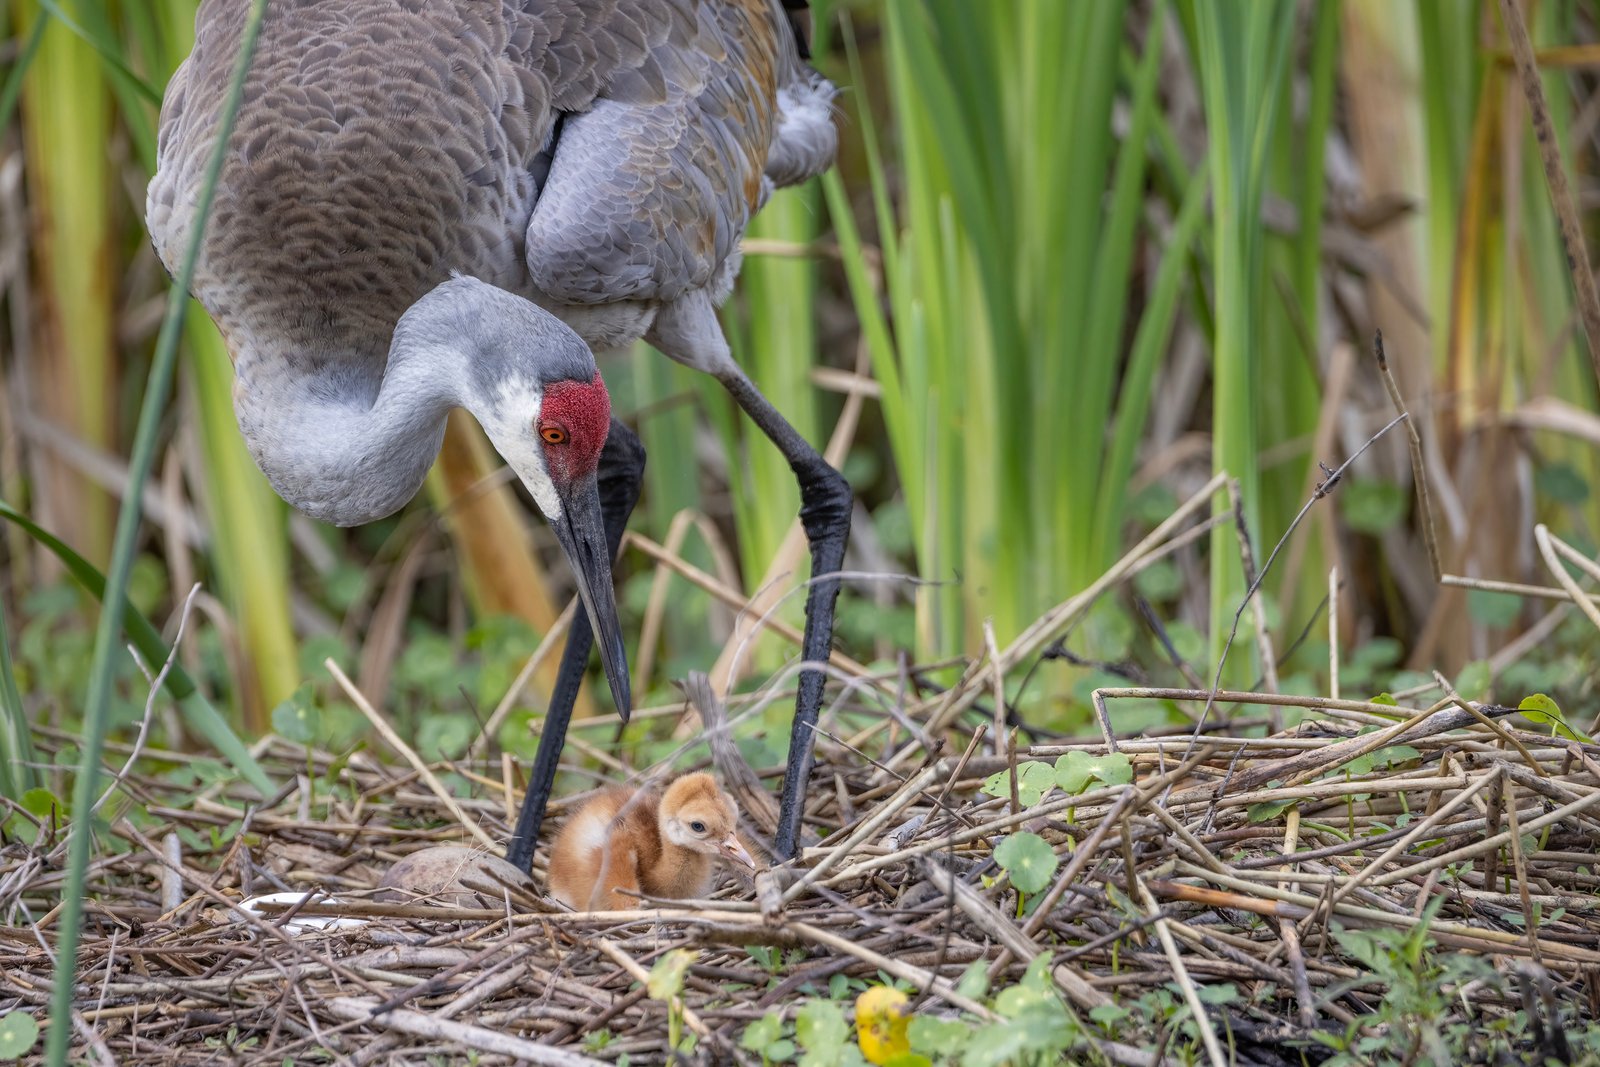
x: 1075, y: 257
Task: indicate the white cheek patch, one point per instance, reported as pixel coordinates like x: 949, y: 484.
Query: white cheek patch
x: 542, y: 488
x: 678, y: 834
x: 512, y: 429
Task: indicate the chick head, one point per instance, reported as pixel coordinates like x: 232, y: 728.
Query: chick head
x: 696, y: 814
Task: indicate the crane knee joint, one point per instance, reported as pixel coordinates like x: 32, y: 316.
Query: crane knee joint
x: 826, y: 502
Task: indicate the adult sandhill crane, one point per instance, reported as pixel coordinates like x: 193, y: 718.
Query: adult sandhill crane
x: 431, y: 204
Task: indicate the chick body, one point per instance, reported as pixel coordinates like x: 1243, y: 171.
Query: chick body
x: 661, y: 843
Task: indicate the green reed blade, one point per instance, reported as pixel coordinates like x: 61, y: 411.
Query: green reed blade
x: 774, y: 339
x: 18, y: 772
x: 249, y: 544
x: 248, y: 523
x: 1239, y: 49
x: 107, y: 51
x: 97, y: 703
x: 1149, y: 346
x: 147, y: 639
x: 11, y: 91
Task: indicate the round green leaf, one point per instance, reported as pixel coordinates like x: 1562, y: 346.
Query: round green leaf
x: 1077, y: 768
x: 1473, y: 681
x: 42, y: 804
x: 1028, y: 860
x: 1561, y: 482
x: 1541, y: 708
x: 1371, y: 507
x: 996, y: 1044
x: 1160, y: 582
x: 1034, y: 780
x: 1377, y: 653
x: 900, y: 1059
x: 1268, y: 810
x: 819, y: 1026
x: 18, y: 1032
x: 762, y: 1033
x: 1493, y: 609
x: 297, y: 718
x: 931, y: 1035
x: 1226, y: 993
x: 442, y: 737
x: 974, y: 981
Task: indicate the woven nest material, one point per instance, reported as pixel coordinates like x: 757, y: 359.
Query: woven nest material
x: 1231, y: 856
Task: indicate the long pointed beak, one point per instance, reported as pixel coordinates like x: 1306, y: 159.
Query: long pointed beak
x: 582, y: 534
x: 733, y: 850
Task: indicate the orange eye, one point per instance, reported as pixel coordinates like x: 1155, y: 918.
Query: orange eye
x: 553, y: 435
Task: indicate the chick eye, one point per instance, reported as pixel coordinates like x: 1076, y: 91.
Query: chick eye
x: 698, y: 827
x: 553, y: 435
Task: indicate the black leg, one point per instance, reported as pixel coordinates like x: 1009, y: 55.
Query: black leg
x: 621, y: 477
x: 825, y: 504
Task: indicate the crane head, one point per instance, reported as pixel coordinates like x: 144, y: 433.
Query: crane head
x: 531, y: 383
x: 574, y: 419
x: 552, y: 437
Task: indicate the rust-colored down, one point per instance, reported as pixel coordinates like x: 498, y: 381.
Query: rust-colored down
x: 628, y: 842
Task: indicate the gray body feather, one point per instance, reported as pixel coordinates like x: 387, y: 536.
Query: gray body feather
x: 600, y: 158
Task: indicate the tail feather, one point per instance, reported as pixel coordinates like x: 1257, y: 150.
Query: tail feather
x: 805, y: 141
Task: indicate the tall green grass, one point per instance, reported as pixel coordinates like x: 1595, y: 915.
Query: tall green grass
x: 1289, y: 395
x: 774, y: 339
x: 249, y: 545
x: 18, y: 771
x: 75, y: 76
x: 1239, y: 47
x: 772, y: 333
x: 67, y: 116
x: 107, y: 633
x: 1009, y: 268
x: 197, y: 711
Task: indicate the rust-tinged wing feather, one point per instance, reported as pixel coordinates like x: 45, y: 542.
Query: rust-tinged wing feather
x: 650, y: 192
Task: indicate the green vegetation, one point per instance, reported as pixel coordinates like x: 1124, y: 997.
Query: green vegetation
x: 1008, y: 277
x: 1020, y: 227
x: 1420, y: 1019
x: 1076, y: 258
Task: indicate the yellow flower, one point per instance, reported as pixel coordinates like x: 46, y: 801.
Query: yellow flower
x: 881, y: 1022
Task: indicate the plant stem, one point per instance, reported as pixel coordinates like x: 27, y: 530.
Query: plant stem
x: 97, y: 704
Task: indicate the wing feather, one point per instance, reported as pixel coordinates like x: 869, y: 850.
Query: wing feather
x: 650, y: 190
x: 382, y: 144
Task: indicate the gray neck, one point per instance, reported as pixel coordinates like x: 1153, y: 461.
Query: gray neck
x: 349, y: 440
x: 337, y: 444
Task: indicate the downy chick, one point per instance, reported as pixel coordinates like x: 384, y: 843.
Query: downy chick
x: 658, y: 843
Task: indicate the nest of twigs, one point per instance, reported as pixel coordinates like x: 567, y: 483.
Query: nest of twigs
x: 1234, y: 854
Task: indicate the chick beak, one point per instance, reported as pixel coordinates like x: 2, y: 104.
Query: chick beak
x: 734, y: 851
